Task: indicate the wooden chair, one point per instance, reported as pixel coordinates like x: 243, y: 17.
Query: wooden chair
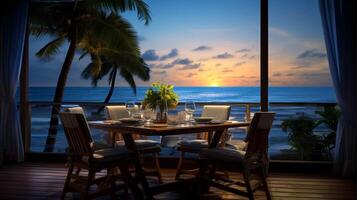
x: 80, y: 110
x: 145, y: 146
x: 218, y: 112
x: 93, y: 160
x: 252, y: 161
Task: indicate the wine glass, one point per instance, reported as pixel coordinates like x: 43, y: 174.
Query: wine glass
x: 130, y: 106
x: 190, y: 108
x: 148, y: 115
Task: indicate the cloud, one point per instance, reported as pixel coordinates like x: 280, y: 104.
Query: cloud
x: 226, y: 70
x: 150, y: 55
x: 184, y: 61
x: 244, y: 56
x: 162, y: 72
x: 244, y: 50
x: 239, y: 63
x: 224, y: 56
x: 190, y: 75
x: 190, y: 66
x: 202, y: 48
x: 311, y: 54
x: 278, y: 31
x: 173, y: 53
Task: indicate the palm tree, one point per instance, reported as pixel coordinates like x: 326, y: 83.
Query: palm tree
x: 137, y: 67
x: 78, y: 23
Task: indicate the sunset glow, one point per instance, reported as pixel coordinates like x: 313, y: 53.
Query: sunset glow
x: 187, y: 44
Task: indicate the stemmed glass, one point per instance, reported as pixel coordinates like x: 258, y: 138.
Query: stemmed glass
x: 190, y: 108
x: 148, y: 115
x: 130, y: 106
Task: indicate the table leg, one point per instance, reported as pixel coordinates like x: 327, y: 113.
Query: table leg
x: 130, y: 144
x: 216, y: 138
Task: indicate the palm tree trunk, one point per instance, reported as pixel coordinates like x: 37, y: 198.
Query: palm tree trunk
x: 61, y: 83
x: 110, y: 93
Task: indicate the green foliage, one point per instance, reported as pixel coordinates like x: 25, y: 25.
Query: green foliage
x: 101, y: 33
x: 330, y: 116
x: 300, y: 134
x: 160, y: 93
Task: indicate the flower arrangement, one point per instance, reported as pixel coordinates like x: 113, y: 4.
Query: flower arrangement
x: 160, y: 97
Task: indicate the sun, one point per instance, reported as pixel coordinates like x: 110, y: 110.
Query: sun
x: 214, y: 84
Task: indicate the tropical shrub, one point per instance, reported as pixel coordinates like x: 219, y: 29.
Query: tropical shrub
x: 300, y: 134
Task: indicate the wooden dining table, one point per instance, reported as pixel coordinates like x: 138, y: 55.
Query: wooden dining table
x: 128, y: 130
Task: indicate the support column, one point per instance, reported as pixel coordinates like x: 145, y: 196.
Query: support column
x: 25, y: 118
x: 264, y: 73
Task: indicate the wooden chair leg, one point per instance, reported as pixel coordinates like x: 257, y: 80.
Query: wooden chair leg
x: 89, y: 183
x: 66, y: 183
x: 111, y: 174
x: 246, y: 176
x: 158, y: 168
x: 201, y: 177
x: 265, y: 183
x: 179, y: 165
x: 128, y: 179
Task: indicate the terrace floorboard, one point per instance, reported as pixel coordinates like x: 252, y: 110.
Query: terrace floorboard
x: 45, y: 181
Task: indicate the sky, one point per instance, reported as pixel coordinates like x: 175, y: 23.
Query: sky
x: 214, y: 43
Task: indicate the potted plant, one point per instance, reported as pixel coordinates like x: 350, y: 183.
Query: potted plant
x: 300, y: 134
x: 160, y: 97
x: 330, y: 116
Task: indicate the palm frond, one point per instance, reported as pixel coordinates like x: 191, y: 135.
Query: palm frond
x: 128, y: 78
x: 117, y: 6
x: 51, y: 48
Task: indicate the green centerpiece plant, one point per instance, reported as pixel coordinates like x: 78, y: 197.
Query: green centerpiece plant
x: 160, y: 97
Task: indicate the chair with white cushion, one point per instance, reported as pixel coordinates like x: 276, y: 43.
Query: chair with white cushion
x: 84, y: 157
x: 254, y: 160
x: 80, y: 110
x: 217, y: 112
x: 145, y: 146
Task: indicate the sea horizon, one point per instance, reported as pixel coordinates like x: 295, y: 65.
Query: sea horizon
x: 308, y: 94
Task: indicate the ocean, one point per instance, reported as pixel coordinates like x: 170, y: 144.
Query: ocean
x: 278, y: 147
x: 199, y: 94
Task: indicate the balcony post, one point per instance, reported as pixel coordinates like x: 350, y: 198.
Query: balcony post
x: 25, y: 118
x: 264, y: 37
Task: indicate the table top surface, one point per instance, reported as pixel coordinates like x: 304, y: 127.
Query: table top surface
x: 154, y: 129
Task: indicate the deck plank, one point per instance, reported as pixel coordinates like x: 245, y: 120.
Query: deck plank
x: 45, y: 181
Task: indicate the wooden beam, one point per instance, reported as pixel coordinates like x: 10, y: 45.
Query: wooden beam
x: 264, y: 73
x: 25, y: 118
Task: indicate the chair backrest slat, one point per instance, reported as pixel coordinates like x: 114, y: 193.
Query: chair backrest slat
x: 218, y: 112
x: 258, y: 133
x: 77, y: 133
x: 117, y: 112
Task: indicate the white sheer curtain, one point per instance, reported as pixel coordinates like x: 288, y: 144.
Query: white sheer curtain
x: 338, y: 20
x: 12, y: 34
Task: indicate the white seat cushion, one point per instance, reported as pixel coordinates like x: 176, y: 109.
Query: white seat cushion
x: 140, y: 143
x: 108, y: 155
x: 193, y: 145
x: 224, y: 155
x: 237, y: 144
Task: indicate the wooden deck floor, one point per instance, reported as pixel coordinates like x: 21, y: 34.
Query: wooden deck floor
x: 45, y: 181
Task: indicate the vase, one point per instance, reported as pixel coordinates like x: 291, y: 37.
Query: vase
x: 161, y: 112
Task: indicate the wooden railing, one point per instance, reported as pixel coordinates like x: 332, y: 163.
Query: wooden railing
x: 245, y: 107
